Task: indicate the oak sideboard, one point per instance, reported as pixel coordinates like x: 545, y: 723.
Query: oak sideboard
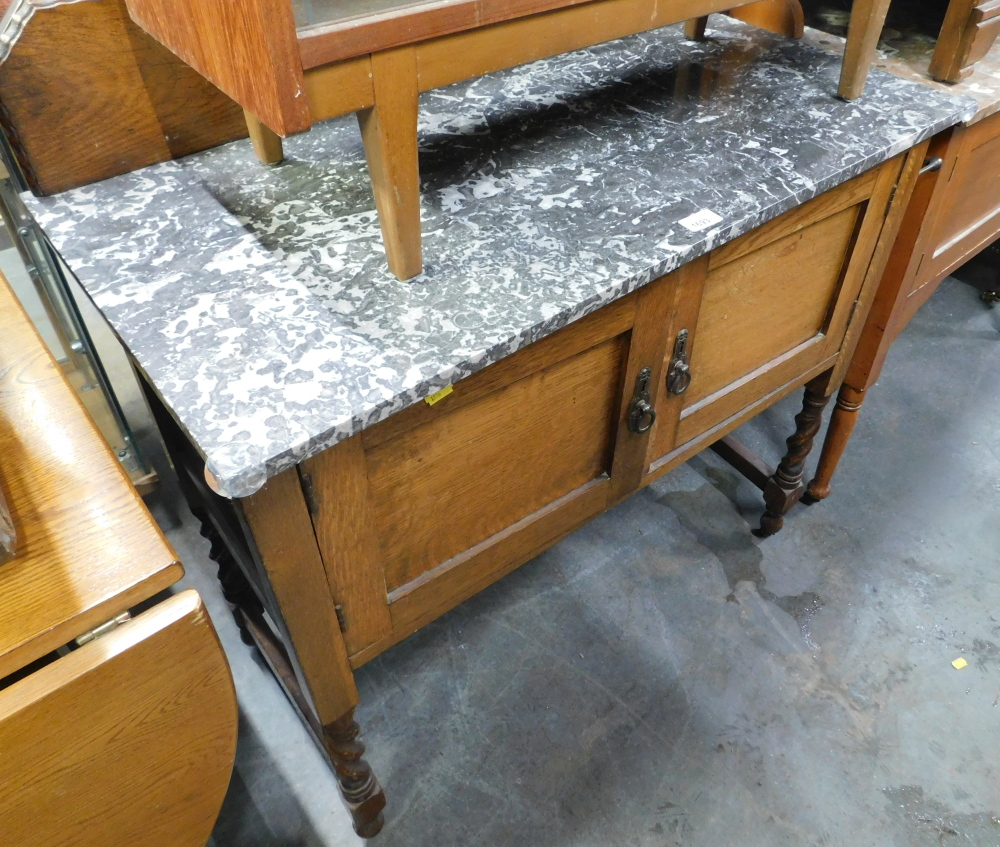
x: 630, y: 251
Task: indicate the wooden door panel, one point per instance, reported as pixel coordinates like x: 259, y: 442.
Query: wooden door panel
x: 767, y: 303
x: 970, y: 216
x: 443, y: 487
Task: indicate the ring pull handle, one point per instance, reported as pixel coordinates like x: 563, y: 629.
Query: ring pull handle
x: 641, y: 414
x: 679, y: 374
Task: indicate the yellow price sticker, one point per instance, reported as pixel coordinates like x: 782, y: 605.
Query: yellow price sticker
x: 959, y: 663
x: 439, y: 395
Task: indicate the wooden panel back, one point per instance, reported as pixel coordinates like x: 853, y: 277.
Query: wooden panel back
x: 764, y: 304
x: 88, y: 95
x: 441, y: 488
x: 128, y: 740
x: 88, y: 548
x: 248, y: 48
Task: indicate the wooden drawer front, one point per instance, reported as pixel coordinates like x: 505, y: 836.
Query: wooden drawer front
x: 761, y: 306
x: 970, y: 210
x: 128, y: 740
x: 447, y: 485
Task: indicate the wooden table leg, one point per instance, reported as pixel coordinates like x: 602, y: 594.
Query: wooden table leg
x: 867, y: 20
x: 695, y: 28
x: 283, y: 534
x: 845, y: 416
x: 266, y: 144
x: 360, y: 789
x: 389, y: 132
x: 785, y: 488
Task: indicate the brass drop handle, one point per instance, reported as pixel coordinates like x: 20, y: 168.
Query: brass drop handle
x: 679, y: 373
x: 641, y: 414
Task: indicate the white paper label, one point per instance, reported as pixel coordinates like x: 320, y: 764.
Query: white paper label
x: 701, y: 220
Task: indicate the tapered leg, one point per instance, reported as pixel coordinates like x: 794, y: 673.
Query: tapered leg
x: 867, y: 20
x: 695, y: 28
x: 266, y: 144
x: 360, y: 789
x: 785, y: 488
x: 845, y: 415
x: 389, y: 132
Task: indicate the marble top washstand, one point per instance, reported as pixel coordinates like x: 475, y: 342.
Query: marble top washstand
x: 257, y: 300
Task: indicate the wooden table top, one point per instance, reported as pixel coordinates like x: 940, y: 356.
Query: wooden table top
x: 88, y: 549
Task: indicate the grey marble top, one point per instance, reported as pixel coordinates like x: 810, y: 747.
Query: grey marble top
x: 257, y: 300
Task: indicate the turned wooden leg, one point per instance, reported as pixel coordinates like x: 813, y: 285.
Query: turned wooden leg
x: 784, y: 489
x: 358, y: 785
x: 282, y: 532
x: 389, y: 132
x: 845, y: 415
x: 266, y: 144
x: 695, y: 28
x: 867, y: 20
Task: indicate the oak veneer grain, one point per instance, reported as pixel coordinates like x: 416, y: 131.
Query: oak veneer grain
x: 128, y: 740
x: 86, y: 72
x: 248, y: 48
x: 88, y: 547
x: 442, y: 488
x: 970, y: 27
x: 337, y: 483
x: 867, y: 19
x: 786, y: 287
x: 283, y: 533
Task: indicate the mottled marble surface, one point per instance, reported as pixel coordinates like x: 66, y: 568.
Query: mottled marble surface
x: 257, y: 301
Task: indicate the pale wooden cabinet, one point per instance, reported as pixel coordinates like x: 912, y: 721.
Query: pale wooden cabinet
x: 112, y: 730
x: 954, y: 213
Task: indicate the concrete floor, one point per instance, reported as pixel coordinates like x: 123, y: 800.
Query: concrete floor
x: 662, y: 677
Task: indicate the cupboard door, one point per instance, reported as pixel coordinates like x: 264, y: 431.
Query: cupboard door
x: 968, y: 217
x: 775, y: 306
x: 128, y: 740
x: 419, y: 512
x: 442, y: 488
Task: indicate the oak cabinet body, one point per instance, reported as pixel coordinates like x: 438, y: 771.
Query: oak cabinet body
x: 517, y: 455
x: 366, y: 542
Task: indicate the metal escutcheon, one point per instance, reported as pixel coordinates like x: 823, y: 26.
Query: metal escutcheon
x: 679, y: 374
x: 641, y: 414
